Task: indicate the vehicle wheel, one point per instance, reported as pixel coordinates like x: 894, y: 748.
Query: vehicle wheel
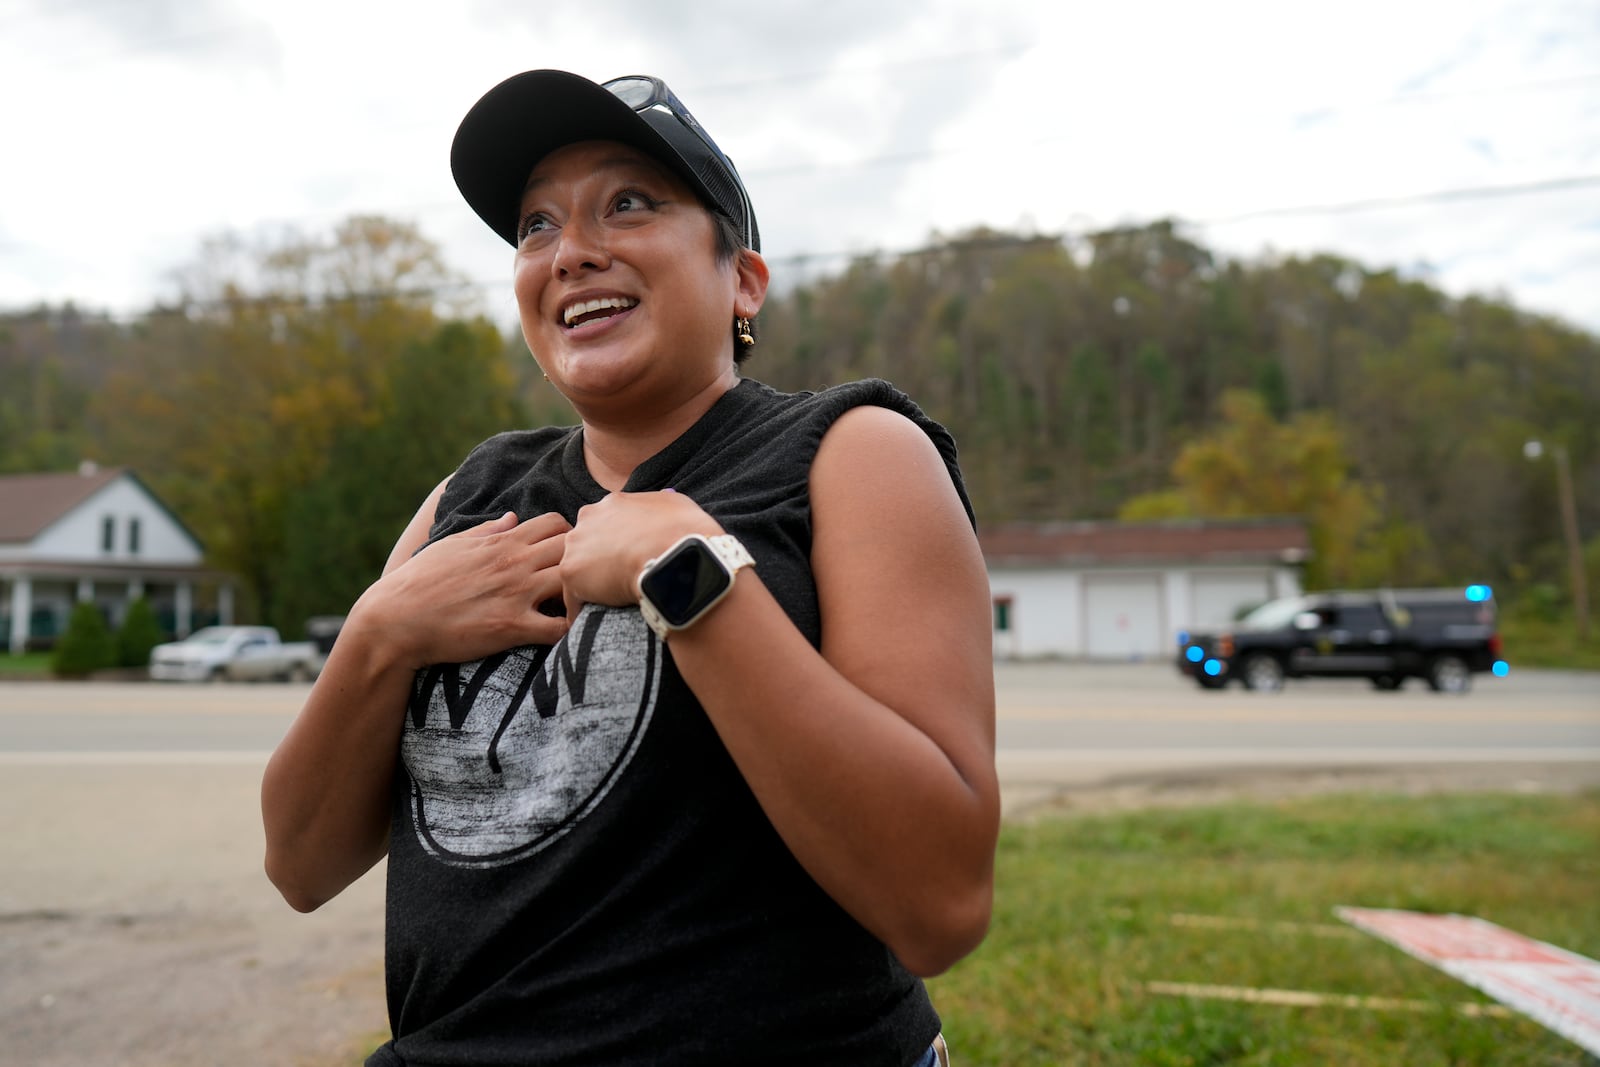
x: 299, y: 673
x: 1449, y: 674
x: 217, y: 675
x: 1263, y: 673
x: 1387, y: 682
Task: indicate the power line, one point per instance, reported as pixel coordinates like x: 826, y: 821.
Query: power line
x: 1303, y: 210
x: 804, y: 259
x: 794, y: 170
x: 1439, y: 196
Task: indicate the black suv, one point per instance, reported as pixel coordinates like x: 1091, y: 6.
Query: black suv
x: 1443, y: 636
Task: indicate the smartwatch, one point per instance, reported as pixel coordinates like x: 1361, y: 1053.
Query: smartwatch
x: 687, y: 580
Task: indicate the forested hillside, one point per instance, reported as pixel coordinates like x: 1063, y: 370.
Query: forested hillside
x: 303, y: 397
x: 1081, y: 380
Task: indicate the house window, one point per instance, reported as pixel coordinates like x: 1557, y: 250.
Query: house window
x: 133, y: 537
x: 108, y: 534
x: 1002, y: 614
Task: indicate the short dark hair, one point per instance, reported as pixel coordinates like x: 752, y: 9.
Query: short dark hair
x: 729, y: 243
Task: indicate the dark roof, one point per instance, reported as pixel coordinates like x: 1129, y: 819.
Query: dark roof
x: 30, y: 503
x: 1269, y: 540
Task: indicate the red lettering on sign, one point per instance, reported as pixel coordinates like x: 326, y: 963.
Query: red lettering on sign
x: 1554, y: 987
x: 1458, y: 937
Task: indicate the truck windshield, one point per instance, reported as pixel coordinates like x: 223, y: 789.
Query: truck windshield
x: 1274, y: 614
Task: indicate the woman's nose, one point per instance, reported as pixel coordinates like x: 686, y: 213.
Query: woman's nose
x: 581, y: 247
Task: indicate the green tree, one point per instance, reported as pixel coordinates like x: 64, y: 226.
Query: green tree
x: 45, y: 388
x: 234, y: 402
x: 1253, y: 465
x: 86, y: 645
x: 139, y: 633
x: 446, y: 393
x: 1073, y: 371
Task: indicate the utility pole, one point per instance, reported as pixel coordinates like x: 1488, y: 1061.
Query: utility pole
x: 1569, y: 528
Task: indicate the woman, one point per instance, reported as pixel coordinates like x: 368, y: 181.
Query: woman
x: 693, y: 703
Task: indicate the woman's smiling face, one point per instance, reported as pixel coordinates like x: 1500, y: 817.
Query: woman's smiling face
x: 617, y: 277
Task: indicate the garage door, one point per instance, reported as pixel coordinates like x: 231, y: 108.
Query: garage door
x: 1219, y: 596
x: 1122, y: 616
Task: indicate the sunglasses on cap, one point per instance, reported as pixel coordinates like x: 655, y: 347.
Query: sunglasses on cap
x: 644, y: 93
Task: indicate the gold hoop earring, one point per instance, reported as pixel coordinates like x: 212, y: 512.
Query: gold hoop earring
x: 745, y: 337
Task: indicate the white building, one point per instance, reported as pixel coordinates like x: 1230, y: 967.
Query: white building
x: 99, y: 536
x: 1125, y: 591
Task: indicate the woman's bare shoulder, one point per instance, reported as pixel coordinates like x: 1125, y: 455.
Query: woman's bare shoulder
x: 415, y: 535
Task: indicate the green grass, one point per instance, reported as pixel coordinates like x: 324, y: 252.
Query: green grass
x: 27, y: 665
x: 1084, y: 919
x: 1534, y: 642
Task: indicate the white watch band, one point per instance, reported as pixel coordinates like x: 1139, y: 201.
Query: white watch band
x: 729, y: 553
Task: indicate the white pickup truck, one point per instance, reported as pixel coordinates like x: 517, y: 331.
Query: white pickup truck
x: 238, y: 653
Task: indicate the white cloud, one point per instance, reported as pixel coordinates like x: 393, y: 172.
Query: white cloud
x: 134, y: 129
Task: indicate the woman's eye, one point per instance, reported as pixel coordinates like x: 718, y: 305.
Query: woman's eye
x: 535, y: 222
x: 632, y: 200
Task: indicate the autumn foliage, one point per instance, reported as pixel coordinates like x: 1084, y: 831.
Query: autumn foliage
x: 301, y: 395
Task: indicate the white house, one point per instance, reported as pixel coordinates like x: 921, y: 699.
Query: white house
x: 1124, y: 591
x: 100, y: 536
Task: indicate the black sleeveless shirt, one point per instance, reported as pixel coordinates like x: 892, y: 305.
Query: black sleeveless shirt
x: 578, y: 874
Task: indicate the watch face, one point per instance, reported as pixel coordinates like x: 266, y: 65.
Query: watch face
x: 685, y: 582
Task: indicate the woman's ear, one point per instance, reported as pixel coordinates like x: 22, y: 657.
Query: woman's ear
x: 752, y: 276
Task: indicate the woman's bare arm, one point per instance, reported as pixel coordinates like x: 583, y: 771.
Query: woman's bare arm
x: 874, y: 758
x: 325, y: 795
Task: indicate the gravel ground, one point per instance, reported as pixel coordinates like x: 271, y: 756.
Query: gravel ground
x: 192, y: 961
x: 137, y: 930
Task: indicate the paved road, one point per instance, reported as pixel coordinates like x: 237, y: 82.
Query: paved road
x: 136, y: 927
x: 1056, y: 721
x: 1071, y: 723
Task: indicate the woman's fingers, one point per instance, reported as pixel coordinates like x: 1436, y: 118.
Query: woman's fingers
x: 616, y: 535
x: 505, y: 522
x: 480, y: 591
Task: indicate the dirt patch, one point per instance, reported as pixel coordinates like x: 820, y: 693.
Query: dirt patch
x: 1211, y: 785
x: 181, y: 989
x: 159, y: 943
x: 137, y: 927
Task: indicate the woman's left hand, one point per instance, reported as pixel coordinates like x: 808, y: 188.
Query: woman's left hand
x: 615, y: 537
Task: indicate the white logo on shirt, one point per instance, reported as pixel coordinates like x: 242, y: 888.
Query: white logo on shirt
x: 509, y: 753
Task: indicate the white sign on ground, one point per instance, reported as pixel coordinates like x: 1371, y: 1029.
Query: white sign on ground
x: 1557, y: 988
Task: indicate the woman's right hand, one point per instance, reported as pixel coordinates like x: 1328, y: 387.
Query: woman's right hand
x: 327, y: 790
x: 471, y: 594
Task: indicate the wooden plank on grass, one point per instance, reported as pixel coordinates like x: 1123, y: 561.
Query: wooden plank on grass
x: 1301, y: 998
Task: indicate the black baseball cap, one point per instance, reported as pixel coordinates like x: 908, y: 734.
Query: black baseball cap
x: 530, y: 115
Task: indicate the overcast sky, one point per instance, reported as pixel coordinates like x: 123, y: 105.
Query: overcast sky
x: 132, y: 129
